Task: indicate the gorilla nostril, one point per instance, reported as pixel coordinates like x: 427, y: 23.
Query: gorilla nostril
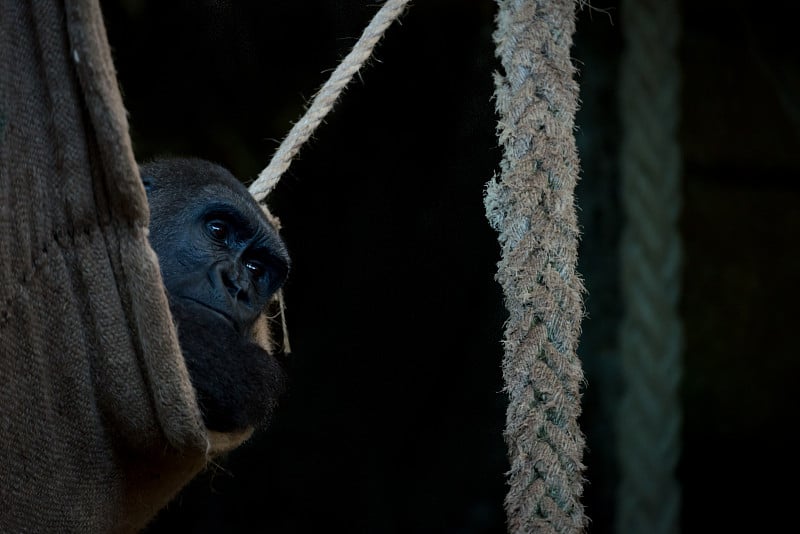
x: 231, y: 286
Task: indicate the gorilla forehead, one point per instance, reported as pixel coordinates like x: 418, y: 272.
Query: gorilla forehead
x: 177, y: 181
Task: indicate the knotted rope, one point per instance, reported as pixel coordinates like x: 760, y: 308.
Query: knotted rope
x: 531, y: 207
x: 325, y: 99
x: 651, y: 335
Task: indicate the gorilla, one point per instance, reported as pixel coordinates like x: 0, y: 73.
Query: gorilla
x: 221, y: 261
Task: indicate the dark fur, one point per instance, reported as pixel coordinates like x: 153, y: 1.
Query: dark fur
x: 217, y: 287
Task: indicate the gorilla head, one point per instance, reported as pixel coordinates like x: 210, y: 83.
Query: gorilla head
x: 221, y: 261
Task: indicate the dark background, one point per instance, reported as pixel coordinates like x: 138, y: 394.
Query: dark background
x: 394, y: 419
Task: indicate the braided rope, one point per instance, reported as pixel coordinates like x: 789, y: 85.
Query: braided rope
x: 531, y: 206
x: 651, y: 333
x: 325, y: 99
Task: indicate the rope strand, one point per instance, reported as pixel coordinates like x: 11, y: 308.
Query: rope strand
x: 325, y: 99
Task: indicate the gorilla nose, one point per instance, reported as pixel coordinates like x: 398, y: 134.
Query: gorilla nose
x: 235, y: 285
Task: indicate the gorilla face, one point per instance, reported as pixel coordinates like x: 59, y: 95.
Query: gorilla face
x: 221, y: 261
x: 214, y: 243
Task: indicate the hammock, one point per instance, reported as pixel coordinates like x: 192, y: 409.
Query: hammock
x: 99, y: 427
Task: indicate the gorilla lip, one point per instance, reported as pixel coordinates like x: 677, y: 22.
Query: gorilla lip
x: 216, y: 311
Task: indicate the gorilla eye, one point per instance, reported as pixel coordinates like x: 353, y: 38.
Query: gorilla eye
x: 218, y: 230
x: 256, y: 268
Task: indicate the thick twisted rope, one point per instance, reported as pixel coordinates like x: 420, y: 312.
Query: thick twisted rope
x: 651, y: 334
x: 325, y: 99
x: 532, y: 208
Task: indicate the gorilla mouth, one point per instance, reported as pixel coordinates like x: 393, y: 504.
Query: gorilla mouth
x: 221, y: 314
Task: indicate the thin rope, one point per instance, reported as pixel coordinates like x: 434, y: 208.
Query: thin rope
x: 531, y: 206
x: 325, y: 99
x: 651, y: 338
x: 320, y: 106
x: 287, y: 347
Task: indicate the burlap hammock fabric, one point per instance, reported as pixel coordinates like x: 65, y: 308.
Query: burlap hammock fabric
x: 99, y: 427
